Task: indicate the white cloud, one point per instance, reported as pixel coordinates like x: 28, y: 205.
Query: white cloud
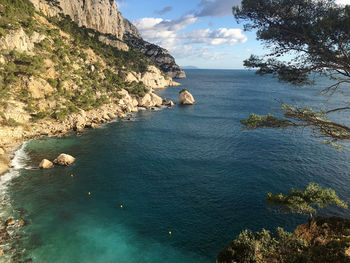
x: 167, y: 33
x: 163, y: 32
x: 221, y: 36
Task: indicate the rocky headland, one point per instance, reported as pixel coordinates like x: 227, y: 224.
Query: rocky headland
x: 70, y: 65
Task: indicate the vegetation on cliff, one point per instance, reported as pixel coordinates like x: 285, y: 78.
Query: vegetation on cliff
x: 316, y: 35
x: 68, y: 68
x: 320, y: 240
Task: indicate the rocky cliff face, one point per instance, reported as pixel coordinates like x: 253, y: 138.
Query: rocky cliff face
x: 104, y: 16
x: 56, y: 77
x: 158, y: 55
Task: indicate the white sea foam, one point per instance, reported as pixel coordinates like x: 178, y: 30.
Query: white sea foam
x: 18, y: 162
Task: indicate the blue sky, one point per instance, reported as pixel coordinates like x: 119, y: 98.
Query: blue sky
x: 201, y: 33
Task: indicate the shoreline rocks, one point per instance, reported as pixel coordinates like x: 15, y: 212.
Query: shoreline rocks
x: 64, y: 160
x: 186, y: 98
x: 150, y: 100
x: 12, y: 137
x: 45, y: 164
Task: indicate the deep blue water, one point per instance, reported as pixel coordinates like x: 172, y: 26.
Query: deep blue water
x: 190, y: 170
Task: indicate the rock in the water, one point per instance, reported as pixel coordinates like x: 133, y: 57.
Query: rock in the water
x: 185, y: 97
x: 21, y: 223
x: 64, y: 159
x: 156, y: 100
x: 45, y: 164
x: 10, y: 222
x: 2, y: 252
x: 169, y: 103
x: 150, y: 100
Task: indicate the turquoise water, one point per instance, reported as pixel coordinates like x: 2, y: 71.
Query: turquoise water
x: 190, y: 170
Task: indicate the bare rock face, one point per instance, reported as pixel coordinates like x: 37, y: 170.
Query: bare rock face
x: 79, y: 121
x: 114, y: 43
x: 18, y: 40
x: 126, y: 102
x: 64, y: 159
x: 101, y: 15
x: 150, y: 100
x: 45, y: 164
x: 185, y: 97
x: 38, y: 87
x: 104, y: 16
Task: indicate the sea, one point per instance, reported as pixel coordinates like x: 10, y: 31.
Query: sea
x: 172, y: 185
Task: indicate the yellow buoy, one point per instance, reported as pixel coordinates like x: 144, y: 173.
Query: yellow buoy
x: 169, y: 233
x: 89, y: 193
x: 72, y: 175
x: 121, y: 206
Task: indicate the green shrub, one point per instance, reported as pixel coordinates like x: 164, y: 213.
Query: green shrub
x: 53, y: 82
x: 16, y: 13
x: 137, y: 88
x: 11, y: 122
x: 88, y: 38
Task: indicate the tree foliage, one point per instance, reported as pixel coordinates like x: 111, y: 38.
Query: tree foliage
x: 16, y: 13
x: 315, y: 33
x: 306, y: 201
x: 322, y: 240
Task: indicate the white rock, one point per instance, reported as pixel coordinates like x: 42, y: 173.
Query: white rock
x: 156, y: 100
x: 185, y: 97
x: 64, y: 159
x: 169, y: 103
x: 45, y: 164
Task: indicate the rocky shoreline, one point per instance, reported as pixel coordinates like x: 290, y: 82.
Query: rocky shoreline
x: 13, y: 137
x: 117, y: 109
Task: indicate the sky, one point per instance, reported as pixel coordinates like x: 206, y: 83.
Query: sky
x: 200, y: 33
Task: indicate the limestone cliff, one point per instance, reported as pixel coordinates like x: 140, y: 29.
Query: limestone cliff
x: 104, y: 16
x: 56, y: 77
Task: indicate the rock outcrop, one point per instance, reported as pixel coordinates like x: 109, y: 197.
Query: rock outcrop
x: 150, y: 100
x: 18, y: 40
x: 64, y: 159
x: 61, y: 82
x: 185, y: 97
x: 168, y: 103
x: 104, y: 16
x: 159, y: 56
x: 45, y: 164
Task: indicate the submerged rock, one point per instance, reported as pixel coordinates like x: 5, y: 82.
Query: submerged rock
x: 64, y: 159
x: 45, y: 164
x: 185, y: 97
